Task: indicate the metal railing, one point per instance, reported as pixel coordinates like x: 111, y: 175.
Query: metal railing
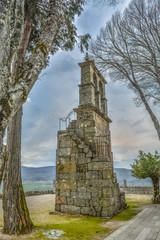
x: 64, y: 122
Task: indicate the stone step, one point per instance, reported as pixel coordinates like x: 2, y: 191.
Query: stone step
x: 72, y: 125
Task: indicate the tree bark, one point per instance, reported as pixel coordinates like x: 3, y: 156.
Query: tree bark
x: 16, y: 214
x: 16, y: 95
x: 155, y: 182
x: 5, y: 8
x: 152, y: 115
x: 15, y: 211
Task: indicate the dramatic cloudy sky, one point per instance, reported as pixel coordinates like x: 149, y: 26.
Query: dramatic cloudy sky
x: 56, y: 94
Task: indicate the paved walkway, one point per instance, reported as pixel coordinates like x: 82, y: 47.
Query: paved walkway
x: 144, y: 226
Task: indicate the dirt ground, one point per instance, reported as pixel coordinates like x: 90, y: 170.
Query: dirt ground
x: 37, y: 206
x: 40, y: 206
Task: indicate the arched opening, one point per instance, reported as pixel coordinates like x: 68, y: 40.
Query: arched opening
x: 100, y: 88
x: 95, y: 80
x: 101, y: 94
x: 95, y: 90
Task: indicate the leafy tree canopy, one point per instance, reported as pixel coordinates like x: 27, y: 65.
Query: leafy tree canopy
x: 146, y: 165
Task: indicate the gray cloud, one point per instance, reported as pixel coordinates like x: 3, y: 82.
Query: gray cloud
x: 56, y: 93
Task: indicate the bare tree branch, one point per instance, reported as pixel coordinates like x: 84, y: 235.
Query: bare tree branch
x: 129, y: 47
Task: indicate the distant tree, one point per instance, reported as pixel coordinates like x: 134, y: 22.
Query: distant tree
x: 148, y: 166
x: 128, y: 47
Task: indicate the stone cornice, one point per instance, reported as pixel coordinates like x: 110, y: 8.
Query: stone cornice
x: 86, y: 84
x: 94, y: 108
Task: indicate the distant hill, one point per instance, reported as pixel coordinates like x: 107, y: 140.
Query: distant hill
x: 38, y: 174
x: 49, y: 174
x: 124, y: 173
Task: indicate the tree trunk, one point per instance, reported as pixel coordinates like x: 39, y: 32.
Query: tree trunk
x: 3, y: 152
x: 15, y: 211
x: 17, y: 94
x: 152, y: 115
x: 155, y: 182
x: 16, y: 214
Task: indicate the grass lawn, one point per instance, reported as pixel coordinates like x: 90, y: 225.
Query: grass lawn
x: 37, y: 185
x: 77, y: 227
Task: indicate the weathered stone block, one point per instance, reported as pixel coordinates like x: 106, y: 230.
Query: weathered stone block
x: 100, y: 183
x: 66, y: 184
x: 82, y: 189
x: 100, y: 174
x: 95, y: 202
x: 70, y: 209
x: 64, y: 142
x: 66, y: 168
x: 92, y: 188
x: 82, y: 168
x: 74, y: 149
x: 65, y: 193
x: 107, y: 174
x: 111, y: 211
x: 82, y: 183
x: 112, y: 201
x: 79, y: 202
x: 90, y: 129
x: 87, y: 203
x: 64, y: 152
x: 98, y: 211
x: 66, y: 176
x: 97, y: 194
x: 70, y: 201
x: 74, y: 137
x: 83, y: 160
x: 86, y: 211
x: 104, y: 202
x: 122, y: 199
x: 116, y: 192
x: 105, y: 212
x: 74, y: 194
x: 92, y: 175
x: 61, y: 200
x: 81, y: 155
x: 84, y: 195
x: 89, y: 154
x: 62, y: 160
x: 81, y: 176
x: 88, y: 124
x: 98, y: 166
x: 85, y: 150
x: 81, y: 145
x: 107, y: 192
x: 101, y: 159
x: 57, y: 207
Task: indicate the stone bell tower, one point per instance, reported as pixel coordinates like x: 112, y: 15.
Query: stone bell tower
x: 85, y: 181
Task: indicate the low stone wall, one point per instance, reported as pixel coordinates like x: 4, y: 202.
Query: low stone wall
x: 137, y: 190
x: 127, y: 190
x: 33, y: 193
